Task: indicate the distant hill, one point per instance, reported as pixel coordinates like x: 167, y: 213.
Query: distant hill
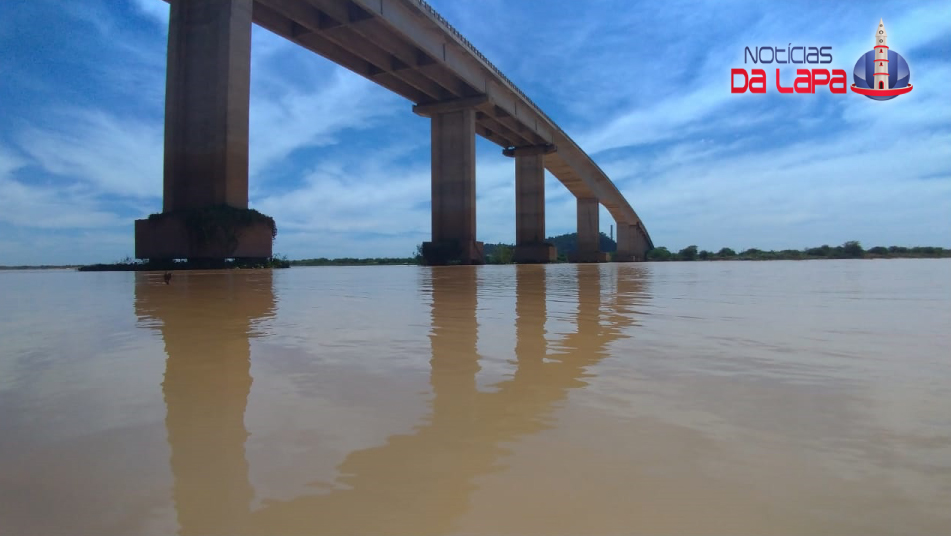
x: 568, y: 243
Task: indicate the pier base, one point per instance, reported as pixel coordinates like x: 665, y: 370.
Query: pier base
x: 535, y: 253
x: 169, y: 237
x: 453, y: 252
x: 587, y: 256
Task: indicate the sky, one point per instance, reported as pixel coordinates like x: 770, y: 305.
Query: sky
x: 343, y: 164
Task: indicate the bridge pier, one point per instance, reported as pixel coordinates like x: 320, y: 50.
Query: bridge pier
x: 632, y: 243
x: 530, y: 245
x: 641, y: 245
x: 625, y: 242
x: 589, y: 237
x: 453, y: 184
x: 207, y: 97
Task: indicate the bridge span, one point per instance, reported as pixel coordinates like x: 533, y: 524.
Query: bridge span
x: 408, y: 48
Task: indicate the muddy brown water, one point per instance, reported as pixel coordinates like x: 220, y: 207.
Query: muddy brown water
x: 680, y: 398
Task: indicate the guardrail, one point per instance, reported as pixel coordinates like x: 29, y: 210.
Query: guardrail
x: 498, y: 72
x: 426, y: 8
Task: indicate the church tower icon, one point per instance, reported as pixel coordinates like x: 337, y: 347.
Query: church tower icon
x: 881, y: 73
x: 881, y: 57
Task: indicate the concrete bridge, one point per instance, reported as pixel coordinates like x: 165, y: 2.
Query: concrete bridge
x: 406, y: 47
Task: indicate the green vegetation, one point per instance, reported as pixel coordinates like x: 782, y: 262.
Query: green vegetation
x: 217, y: 223
x: 849, y: 250
x: 565, y: 244
x: 40, y: 267
x: 416, y: 259
x: 133, y: 265
x: 498, y: 253
x: 568, y: 243
x: 494, y: 254
x: 726, y: 253
x: 351, y: 261
x: 502, y: 254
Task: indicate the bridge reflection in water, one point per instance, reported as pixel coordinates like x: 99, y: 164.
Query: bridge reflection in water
x: 419, y: 482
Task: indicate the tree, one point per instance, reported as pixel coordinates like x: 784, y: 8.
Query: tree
x: 821, y: 251
x: 752, y: 254
x: 704, y: 255
x: 853, y: 249
x: 501, y: 255
x: 568, y: 243
x: 659, y: 254
x: 688, y: 253
x: 726, y: 253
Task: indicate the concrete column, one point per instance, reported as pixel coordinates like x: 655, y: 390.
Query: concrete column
x: 640, y: 244
x: 530, y: 245
x: 453, y: 190
x: 589, y: 240
x: 206, y: 104
x: 206, y: 134
x: 626, y: 238
x: 529, y: 199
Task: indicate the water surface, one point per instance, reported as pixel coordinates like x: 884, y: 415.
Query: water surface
x: 680, y: 398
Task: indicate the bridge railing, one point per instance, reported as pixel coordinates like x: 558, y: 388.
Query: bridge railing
x: 425, y: 7
x: 498, y: 72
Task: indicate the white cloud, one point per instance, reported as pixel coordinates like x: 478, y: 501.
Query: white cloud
x: 121, y: 156
x: 289, y: 118
x: 9, y: 162
x: 25, y: 203
x: 157, y: 10
x: 36, y: 247
x: 803, y: 194
x: 708, y: 105
x: 345, y: 199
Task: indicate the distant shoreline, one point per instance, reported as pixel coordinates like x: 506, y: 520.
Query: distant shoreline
x: 503, y: 253
x: 43, y: 267
x: 401, y: 262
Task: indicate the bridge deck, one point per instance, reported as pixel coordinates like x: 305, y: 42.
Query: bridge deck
x: 408, y: 48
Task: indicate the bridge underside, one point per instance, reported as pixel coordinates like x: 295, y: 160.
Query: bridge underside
x: 404, y: 46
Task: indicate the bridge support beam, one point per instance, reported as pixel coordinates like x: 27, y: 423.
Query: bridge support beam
x: 640, y: 244
x: 625, y: 242
x: 589, y: 237
x: 632, y: 244
x: 453, y: 190
x: 206, y: 131
x: 530, y: 245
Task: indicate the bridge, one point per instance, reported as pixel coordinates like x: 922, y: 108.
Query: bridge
x: 406, y: 47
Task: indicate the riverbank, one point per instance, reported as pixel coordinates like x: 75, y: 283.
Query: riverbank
x: 150, y: 266
x: 501, y: 254
x: 848, y: 250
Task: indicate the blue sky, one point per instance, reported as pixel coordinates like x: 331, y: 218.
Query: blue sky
x: 343, y: 165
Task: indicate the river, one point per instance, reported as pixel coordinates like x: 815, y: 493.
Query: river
x: 663, y: 398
